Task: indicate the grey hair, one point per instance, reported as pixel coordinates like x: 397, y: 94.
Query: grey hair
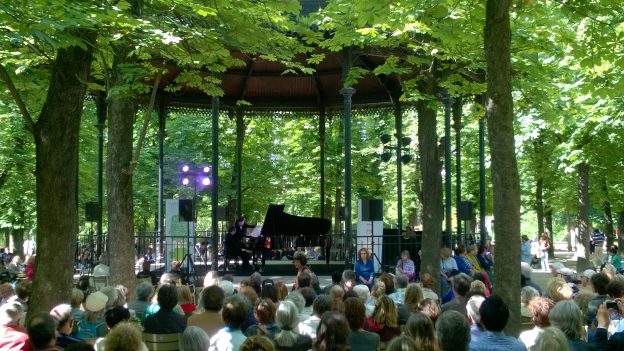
x: 453, y: 331
x: 227, y: 287
x: 255, y: 279
x: 193, y: 338
x: 144, y: 291
x: 297, y: 299
x: 472, y: 308
x: 550, y: 339
x: 348, y: 274
x: 112, y: 295
x: 286, y: 318
x: 362, y: 292
x: 401, y: 281
x: 526, y: 269
x: 567, y: 316
x: 11, y: 313
x: 527, y: 293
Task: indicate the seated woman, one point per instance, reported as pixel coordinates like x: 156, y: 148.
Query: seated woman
x: 285, y: 337
x: 359, y: 339
x: 166, y: 321
x: 264, y: 313
x: 406, y: 266
x: 384, y: 320
x: 231, y: 337
x: 211, y: 302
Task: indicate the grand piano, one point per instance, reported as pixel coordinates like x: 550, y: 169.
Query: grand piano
x: 279, y: 224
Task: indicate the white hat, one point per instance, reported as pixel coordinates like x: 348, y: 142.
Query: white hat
x: 96, y: 301
x: 588, y: 273
x: 566, y: 271
x: 557, y: 266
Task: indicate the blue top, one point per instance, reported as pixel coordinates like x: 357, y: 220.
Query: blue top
x: 365, y: 270
x: 525, y: 251
x: 496, y: 341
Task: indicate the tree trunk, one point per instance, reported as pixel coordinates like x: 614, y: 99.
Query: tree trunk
x: 505, y: 180
x: 548, y: 218
x: 121, y: 114
x: 620, y: 226
x: 56, y: 143
x: 539, y: 205
x: 430, y: 167
x: 570, y: 232
x: 608, y: 216
x: 582, y: 211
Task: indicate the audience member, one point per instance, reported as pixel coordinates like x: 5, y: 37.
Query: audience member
x: 427, y: 283
x: 567, y: 316
x: 453, y: 331
x: 298, y: 299
x: 402, y: 343
x: 257, y: 343
x: 124, y: 337
x: 269, y: 291
x: 231, y: 336
x: 551, y: 339
x: 166, y: 321
x: 494, y: 315
x: 93, y: 325
x: 348, y: 280
x: 309, y: 295
x: 321, y: 305
x: 474, y: 317
x: 599, y: 283
x: 76, y: 302
x: 388, y: 280
x: 527, y: 294
x: 210, y: 303
x: 113, y: 316
x: 333, y: 332
x: 147, y: 273
x: 601, y: 338
x: 337, y: 295
x: 406, y: 266
x: 286, y: 337
x: 585, y: 283
x: 194, y: 339
x: 64, y: 325
x: 282, y: 290
x: 12, y: 335
x: 539, y: 308
x: 185, y: 299
x: 559, y: 290
x: 421, y: 329
x: 384, y: 320
x: 102, y: 269
x: 461, y: 286
x: 398, y: 296
x: 255, y: 280
x: 264, y: 313
x: 42, y: 332
x: 359, y: 339
x: 526, y: 272
x: 430, y: 308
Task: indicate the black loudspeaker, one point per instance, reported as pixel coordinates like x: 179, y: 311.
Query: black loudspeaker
x: 372, y: 210
x: 92, y: 212
x: 222, y: 213
x: 465, y: 211
x: 393, y: 246
x: 185, y: 210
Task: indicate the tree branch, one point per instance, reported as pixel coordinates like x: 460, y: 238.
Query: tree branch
x: 30, y: 125
x: 146, y: 118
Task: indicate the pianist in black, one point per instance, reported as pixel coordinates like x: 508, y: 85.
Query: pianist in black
x: 233, y: 246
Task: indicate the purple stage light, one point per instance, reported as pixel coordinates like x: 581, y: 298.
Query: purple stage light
x: 185, y: 168
x: 206, y: 169
x: 206, y: 181
x: 185, y: 181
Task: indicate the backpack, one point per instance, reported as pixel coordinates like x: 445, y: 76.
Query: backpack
x: 88, y: 330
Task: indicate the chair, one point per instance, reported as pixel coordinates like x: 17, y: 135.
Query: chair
x: 161, y: 342
x: 99, y: 282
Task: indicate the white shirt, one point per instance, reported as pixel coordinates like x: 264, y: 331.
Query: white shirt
x: 306, y: 313
x: 528, y: 337
x: 225, y: 340
x: 308, y: 327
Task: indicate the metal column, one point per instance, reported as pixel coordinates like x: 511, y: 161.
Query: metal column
x: 482, y: 228
x: 457, y: 116
x: 398, y: 121
x: 101, y: 116
x: 162, y: 117
x: 322, y: 131
x: 239, y: 163
x: 447, y: 165
x: 347, y: 93
x: 214, y: 242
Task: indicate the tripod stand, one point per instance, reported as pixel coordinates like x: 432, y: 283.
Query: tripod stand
x: 373, y: 254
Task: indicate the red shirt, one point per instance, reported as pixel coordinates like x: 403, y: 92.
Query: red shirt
x: 14, y: 338
x: 188, y: 307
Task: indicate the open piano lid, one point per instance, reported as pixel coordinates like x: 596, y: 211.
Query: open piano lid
x: 278, y: 222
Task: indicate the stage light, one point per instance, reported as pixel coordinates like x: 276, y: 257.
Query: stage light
x: 186, y: 168
x: 185, y: 181
x: 206, y: 181
x: 206, y: 169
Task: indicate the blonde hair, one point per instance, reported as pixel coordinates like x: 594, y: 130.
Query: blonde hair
x: 336, y: 292
x: 257, y: 343
x: 184, y: 295
x: 124, y: 336
x: 559, y: 290
x: 550, y: 339
x: 379, y: 290
x: 413, y: 296
x: 385, y: 312
x: 77, y: 298
x: 282, y: 290
x: 478, y: 286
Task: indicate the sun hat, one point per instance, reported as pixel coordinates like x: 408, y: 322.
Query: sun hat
x: 588, y: 273
x: 96, y: 301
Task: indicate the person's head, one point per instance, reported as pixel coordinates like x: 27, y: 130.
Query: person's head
x: 613, y: 250
x: 298, y: 299
x: 211, y: 278
x: 461, y: 284
x: 494, y: 313
x: 269, y: 291
x: 539, y: 308
x: 362, y: 292
x: 332, y: 333
x: 401, y: 281
x: 348, y: 279
x: 385, y: 312
x: 227, y: 287
x: 304, y: 280
x: 184, y: 295
x: 171, y: 279
x: 413, y: 296
x: 256, y: 343
x: 420, y: 328
x: 286, y: 319
x: 551, y: 339
x: 63, y: 318
x: 527, y: 293
x: 472, y: 308
x: 453, y: 331
x: 281, y: 290
x: 321, y: 304
x: 445, y: 253
x: 147, y: 266
x: 363, y: 254
x: 599, y: 283
x: 430, y: 308
x: 124, y: 337
x: 355, y: 312
x: 615, y: 289
x: 255, y: 279
x: 264, y: 311
x: 23, y: 290
x: 250, y: 294
x: 544, y: 237
x: 234, y: 312
x: 336, y: 277
x: 609, y: 270
x: 167, y: 297
x: 41, y: 330
x: 567, y: 316
x: 211, y: 298
x: 460, y: 250
x: 388, y: 279
x: 116, y: 315
x: 11, y: 313
x: 95, y: 305
x: 586, y: 276
x: 404, y: 343
x: 526, y: 270
x: 6, y: 290
x: 427, y: 281
x: 309, y: 295
x: 477, y: 286
x: 193, y: 338
x: 300, y: 260
x: 77, y: 298
x: 559, y: 290
x: 144, y: 291
x: 379, y: 289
